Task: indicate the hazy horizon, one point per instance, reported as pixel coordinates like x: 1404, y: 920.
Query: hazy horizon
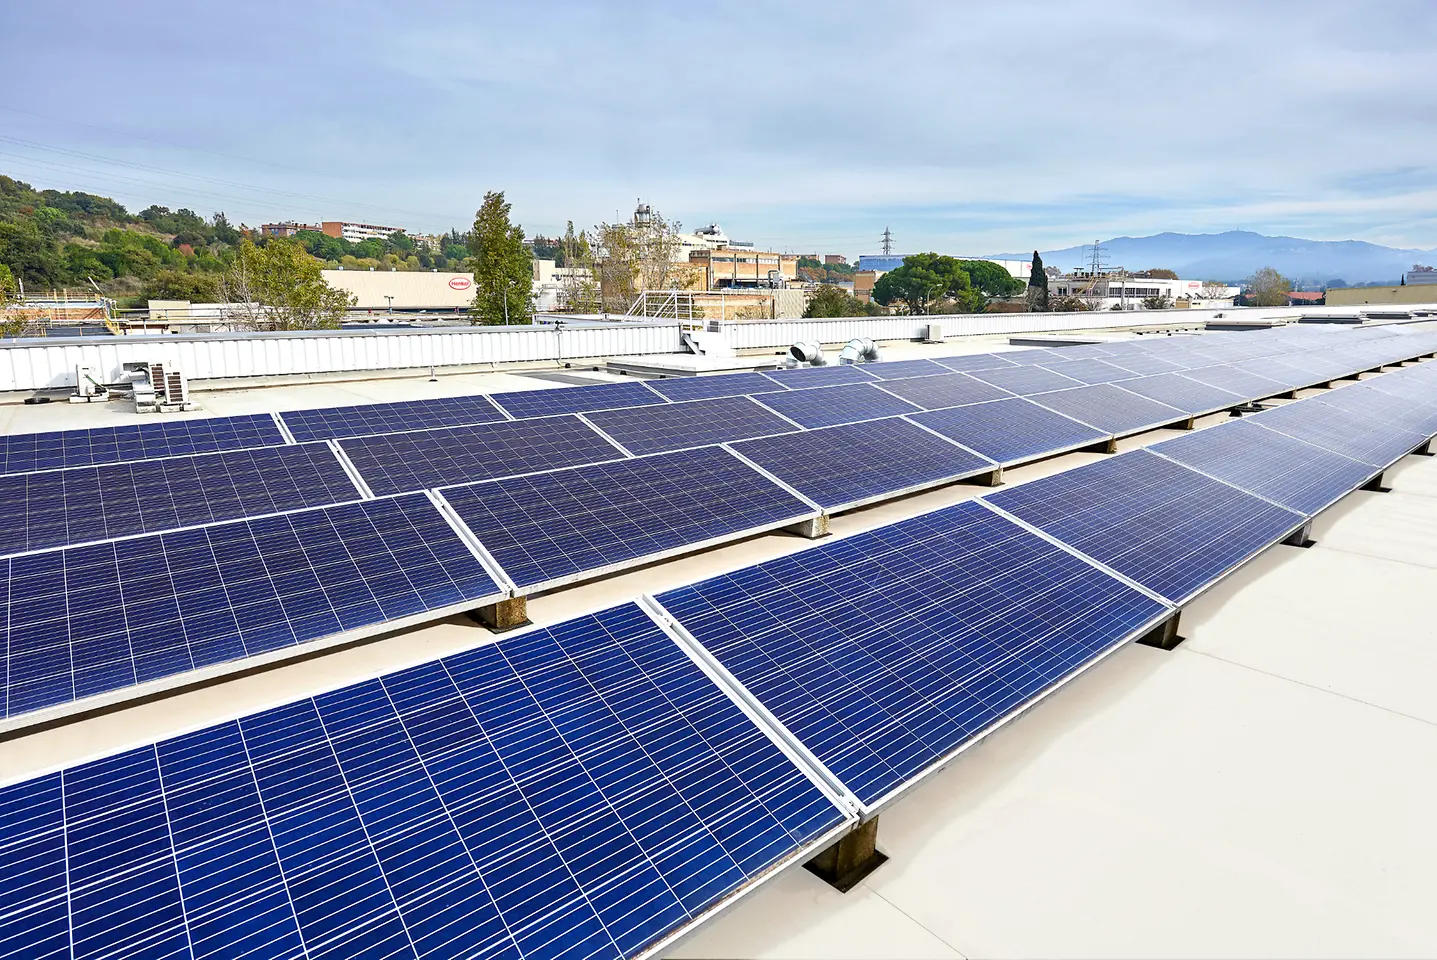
x: 970, y: 130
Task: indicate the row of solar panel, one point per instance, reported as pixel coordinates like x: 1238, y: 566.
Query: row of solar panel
x: 1019, y: 372
x: 595, y: 788
x: 835, y: 468
x: 91, y: 621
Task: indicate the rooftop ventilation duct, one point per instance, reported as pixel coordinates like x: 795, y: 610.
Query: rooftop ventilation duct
x: 807, y: 352
x: 859, y: 350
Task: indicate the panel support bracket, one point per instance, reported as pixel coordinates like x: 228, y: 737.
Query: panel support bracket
x: 1109, y: 445
x: 1189, y: 424
x: 504, y: 615
x: 1425, y: 450
x: 814, y: 528
x: 1301, y: 537
x: 988, y: 478
x: 1165, y: 635
x: 850, y: 859
x: 1375, y: 485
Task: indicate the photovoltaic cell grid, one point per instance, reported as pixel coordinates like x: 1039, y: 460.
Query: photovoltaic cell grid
x: 1169, y: 528
x: 902, y: 369
x: 400, y: 462
x: 1182, y: 393
x: 950, y: 390
x: 843, y: 466
x: 1147, y: 364
x: 63, y: 507
x: 602, y: 396
x: 1109, y: 408
x: 94, y: 619
x: 1025, y: 380
x: 975, y: 361
x: 1407, y: 415
x: 886, y: 651
x: 1090, y: 371
x: 802, y: 377
x: 141, y: 441
x: 828, y: 406
x: 1009, y: 431
x: 706, y: 388
x: 1333, y: 428
x: 361, y: 420
x: 547, y: 527
x: 675, y: 426
x: 1242, y: 382
x: 1291, y: 472
x: 581, y: 791
x: 1418, y: 390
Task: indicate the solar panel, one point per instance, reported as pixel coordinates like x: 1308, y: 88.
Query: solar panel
x: 802, y: 377
x: 95, y: 619
x: 846, y: 466
x: 951, y: 390
x: 1090, y: 371
x: 1273, y: 369
x: 827, y: 406
x: 1010, y: 431
x: 361, y: 420
x: 20, y: 453
x: 556, y: 526
x: 1244, y: 383
x: 1109, y: 408
x: 1296, y: 474
x: 975, y: 361
x: 1350, y: 434
x: 886, y: 651
x: 601, y: 396
x: 1024, y: 380
x: 1383, y: 409
x: 580, y: 791
x: 675, y: 426
x: 706, y: 388
x: 1182, y: 393
x: 61, y: 507
x: 1169, y: 528
x: 1418, y: 390
x: 902, y: 369
x: 400, y: 462
x: 1146, y: 363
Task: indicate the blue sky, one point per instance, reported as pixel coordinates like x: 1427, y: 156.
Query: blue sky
x: 809, y: 127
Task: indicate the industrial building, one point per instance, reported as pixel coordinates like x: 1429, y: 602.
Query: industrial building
x: 376, y: 290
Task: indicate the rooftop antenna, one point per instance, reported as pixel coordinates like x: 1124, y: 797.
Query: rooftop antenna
x: 887, y: 242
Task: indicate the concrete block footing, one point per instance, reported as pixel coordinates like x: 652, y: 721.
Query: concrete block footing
x: 991, y: 478
x: 1164, y: 636
x: 1109, y: 445
x: 1189, y: 424
x: 505, y: 615
x: 846, y: 863
x: 813, y: 528
x: 1375, y: 485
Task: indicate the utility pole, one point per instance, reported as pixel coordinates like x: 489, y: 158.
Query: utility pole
x: 887, y: 242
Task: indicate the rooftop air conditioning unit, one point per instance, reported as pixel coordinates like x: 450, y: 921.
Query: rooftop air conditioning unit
x: 933, y: 333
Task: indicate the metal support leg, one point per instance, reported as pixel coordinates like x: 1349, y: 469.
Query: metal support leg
x: 1302, y: 537
x: 505, y: 615
x: 1375, y: 485
x: 1109, y: 445
x: 1425, y: 450
x: 844, y: 865
x: 1164, y: 636
x: 992, y: 478
x: 1189, y: 424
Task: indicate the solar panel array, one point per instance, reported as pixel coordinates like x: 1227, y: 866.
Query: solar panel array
x: 363, y: 419
x: 830, y: 406
x: 676, y: 426
x: 1010, y: 431
x: 24, y: 452
x: 604, y: 396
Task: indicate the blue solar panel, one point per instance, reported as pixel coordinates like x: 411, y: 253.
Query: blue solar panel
x: 1090, y: 371
x: 1182, y: 393
x: 1383, y: 409
x: 1169, y: 528
x: 1010, y: 431
x: 1291, y: 472
x: 675, y: 426
x: 600, y: 396
x: 140, y: 441
x: 1332, y: 428
x: 1024, y: 380
x: 95, y: 619
x: 827, y: 406
x: 581, y: 791
x: 802, y: 377
x: 1416, y: 388
x: 1241, y: 382
x: 886, y: 651
x: 848, y: 465
x: 951, y: 390
x: 1146, y: 363
x: 62, y: 507
x: 399, y: 462
x: 582, y: 520
x: 361, y: 420
x: 706, y: 388
x: 902, y: 369
x: 975, y: 361
x: 1109, y: 408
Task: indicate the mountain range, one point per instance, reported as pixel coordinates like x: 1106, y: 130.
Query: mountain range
x: 1234, y: 255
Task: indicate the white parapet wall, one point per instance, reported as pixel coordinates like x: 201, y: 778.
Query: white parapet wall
x: 50, y: 362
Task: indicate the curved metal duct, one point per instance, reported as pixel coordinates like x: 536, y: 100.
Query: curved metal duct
x: 807, y: 352
x: 859, y: 350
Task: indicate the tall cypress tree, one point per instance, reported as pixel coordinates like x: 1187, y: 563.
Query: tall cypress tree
x: 503, y: 270
x: 1037, y: 280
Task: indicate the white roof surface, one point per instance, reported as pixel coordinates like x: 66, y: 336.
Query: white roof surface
x: 1269, y: 788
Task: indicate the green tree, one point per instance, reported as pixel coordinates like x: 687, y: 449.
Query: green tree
x: 279, y: 287
x: 1158, y: 273
x: 1037, y: 285
x: 179, y: 285
x: 991, y: 279
x: 503, y: 268
x: 1158, y: 302
x: 9, y: 289
x: 831, y: 301
x: 12, y: 323
x: 1267, y: 288
x: 923, y: 282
